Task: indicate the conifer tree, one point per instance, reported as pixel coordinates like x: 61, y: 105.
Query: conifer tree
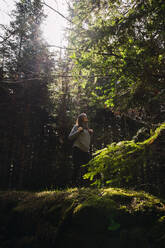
x: 28, y: 67
x: 27, y: 56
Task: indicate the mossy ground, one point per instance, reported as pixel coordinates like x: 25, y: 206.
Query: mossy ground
x: 81, y: 217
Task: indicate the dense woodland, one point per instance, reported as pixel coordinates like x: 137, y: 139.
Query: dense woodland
x: 113, y: 69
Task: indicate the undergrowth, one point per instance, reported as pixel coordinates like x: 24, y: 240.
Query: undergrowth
x: 120, y: 163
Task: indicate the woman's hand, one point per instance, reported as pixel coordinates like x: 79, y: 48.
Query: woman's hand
x: 90, y: 131
x: 80, y: 129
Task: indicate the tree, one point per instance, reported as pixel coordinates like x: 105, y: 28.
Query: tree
x: 25, y: 130
x: 120, y: 50
x: 27, y: 55
x: 118, y: 56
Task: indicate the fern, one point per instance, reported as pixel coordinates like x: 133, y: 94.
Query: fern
x: 119, y: 163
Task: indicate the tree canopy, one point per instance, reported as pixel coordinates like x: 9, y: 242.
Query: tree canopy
x: 119, y: 50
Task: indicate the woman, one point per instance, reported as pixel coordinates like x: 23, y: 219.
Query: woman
x: 81, y: 137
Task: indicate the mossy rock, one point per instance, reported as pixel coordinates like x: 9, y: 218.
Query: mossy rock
x: 82, y: 217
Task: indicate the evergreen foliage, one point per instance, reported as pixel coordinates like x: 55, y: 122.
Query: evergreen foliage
x: 25, y: 104
x: 25, y: 53
x: 120, y: 164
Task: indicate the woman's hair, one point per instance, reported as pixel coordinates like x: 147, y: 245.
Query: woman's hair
x: 80, y: 118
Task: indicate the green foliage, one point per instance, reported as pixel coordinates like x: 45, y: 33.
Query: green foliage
x: 118, y: 164
x: 121, y: 45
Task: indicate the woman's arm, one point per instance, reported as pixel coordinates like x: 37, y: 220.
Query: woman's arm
x: 75, y: 132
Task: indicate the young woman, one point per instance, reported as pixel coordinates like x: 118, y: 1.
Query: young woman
x: 81, y: 137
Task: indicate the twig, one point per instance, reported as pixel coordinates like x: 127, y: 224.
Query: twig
x: 57, y: 12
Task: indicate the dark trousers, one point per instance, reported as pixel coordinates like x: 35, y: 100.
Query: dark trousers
x: 79, y: 158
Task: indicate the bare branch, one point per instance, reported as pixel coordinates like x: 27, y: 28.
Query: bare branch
x: 72, y: 49
x: 57, y: 12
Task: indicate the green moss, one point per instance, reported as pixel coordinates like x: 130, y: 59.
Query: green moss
x: 162, y: 219
x: 82, y: 217
x: 97, y: 202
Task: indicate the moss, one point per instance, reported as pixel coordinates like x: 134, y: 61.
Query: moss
x: 82, y: 217
x: 97, y: 202
x: 162, y: 219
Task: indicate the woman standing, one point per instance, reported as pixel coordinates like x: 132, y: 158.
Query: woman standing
x: 81, y: 137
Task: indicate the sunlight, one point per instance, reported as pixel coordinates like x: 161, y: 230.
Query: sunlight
x: 53, y: 27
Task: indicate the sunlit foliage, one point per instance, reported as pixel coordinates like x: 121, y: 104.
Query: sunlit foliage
x: 121, y: 164
x: 119, y: 50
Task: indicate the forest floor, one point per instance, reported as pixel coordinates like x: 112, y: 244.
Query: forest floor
x: 81, y: 218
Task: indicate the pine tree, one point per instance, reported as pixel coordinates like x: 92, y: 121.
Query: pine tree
x: 28, y: 56
x: 28, y: 67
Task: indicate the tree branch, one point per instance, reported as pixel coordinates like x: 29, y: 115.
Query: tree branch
x: 72, y: 49
x: 57, y: 12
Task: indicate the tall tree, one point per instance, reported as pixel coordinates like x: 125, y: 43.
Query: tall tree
x: 27, y: 55
x: 119, y: 47
x: 25, y: 141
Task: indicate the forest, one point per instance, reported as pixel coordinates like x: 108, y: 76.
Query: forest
x: 113, y: 69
